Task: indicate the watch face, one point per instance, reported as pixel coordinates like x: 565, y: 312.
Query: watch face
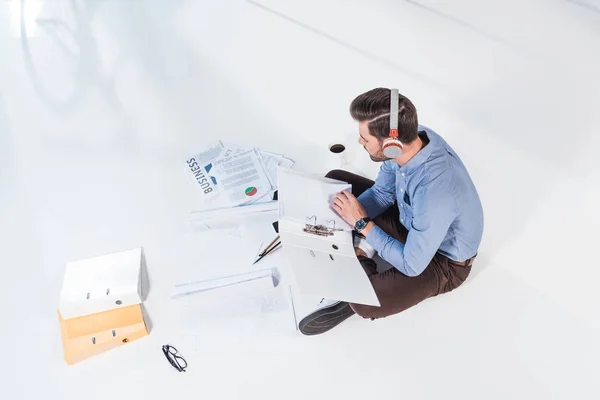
x: 360, y: 224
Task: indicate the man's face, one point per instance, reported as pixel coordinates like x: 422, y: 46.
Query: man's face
x: 370, y: 143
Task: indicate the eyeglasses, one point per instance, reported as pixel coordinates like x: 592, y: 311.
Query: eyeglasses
x: 171, y: 353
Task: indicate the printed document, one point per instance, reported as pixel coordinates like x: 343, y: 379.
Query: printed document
x: 227, y: 176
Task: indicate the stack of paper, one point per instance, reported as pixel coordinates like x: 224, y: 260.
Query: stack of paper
x: 226, y: 175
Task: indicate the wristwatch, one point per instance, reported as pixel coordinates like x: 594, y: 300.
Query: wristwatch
x: 361, y: 224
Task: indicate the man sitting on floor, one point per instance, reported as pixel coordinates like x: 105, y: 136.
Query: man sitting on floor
x: 422, y: 214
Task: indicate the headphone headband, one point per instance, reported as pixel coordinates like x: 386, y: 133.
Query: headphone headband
x: 392, y: 147
x: 394, y: 113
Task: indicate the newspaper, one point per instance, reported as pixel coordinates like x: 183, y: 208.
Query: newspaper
x: 227, y: 175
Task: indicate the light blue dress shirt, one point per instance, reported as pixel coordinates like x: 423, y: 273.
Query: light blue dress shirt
x: 438, y: 204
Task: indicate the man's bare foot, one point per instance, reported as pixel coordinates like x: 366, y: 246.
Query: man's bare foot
x: 360, y: 252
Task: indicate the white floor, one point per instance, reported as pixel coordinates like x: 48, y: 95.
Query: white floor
x: 102, y: 101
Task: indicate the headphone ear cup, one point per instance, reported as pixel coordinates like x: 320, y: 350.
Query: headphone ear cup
x: 392, y: 148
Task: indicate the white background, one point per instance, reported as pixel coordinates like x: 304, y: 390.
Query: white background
x: 103, y: 101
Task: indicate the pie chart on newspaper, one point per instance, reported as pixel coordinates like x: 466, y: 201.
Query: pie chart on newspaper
x: 251, y: 191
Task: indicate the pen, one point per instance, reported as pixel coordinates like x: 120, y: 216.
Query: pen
x: 271, y: 250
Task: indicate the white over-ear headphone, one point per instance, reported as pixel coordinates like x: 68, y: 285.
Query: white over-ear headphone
x: 392, y: 147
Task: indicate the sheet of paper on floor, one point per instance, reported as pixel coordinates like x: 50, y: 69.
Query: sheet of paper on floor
x: 236, y: 313
x: 226, y: 283
x: 278, y: 316
x: 213, y: 254
x: 229, y: 217
x: 222, y: 252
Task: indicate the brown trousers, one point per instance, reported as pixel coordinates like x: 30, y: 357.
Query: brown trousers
x: 397, y: 292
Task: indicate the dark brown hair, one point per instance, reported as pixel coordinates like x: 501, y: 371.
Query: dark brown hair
x: 374, y: 106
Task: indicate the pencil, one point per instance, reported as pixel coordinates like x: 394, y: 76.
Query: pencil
x: 269, y: 245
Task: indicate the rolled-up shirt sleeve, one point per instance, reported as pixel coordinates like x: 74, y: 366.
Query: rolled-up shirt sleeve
x: 382, y: 194
x: 434, y: 210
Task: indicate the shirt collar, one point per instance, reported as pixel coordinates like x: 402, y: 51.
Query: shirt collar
x: 421, y: 155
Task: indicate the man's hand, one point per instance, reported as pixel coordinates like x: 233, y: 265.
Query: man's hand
x: 348, y: 207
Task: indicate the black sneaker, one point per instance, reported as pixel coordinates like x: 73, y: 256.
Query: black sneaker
x: 328, y: 315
